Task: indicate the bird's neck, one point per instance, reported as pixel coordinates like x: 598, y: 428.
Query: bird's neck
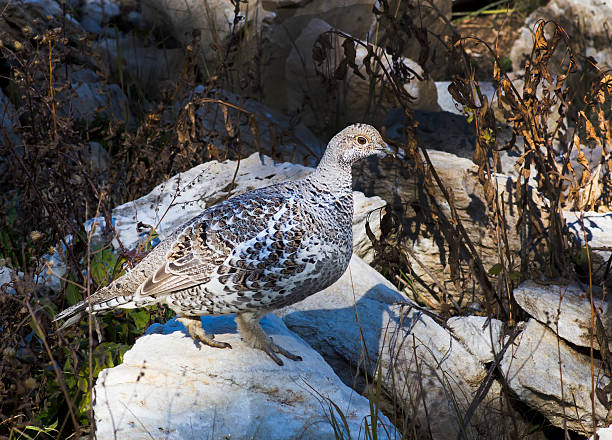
x: 332, y: 174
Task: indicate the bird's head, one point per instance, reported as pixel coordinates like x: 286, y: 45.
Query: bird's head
x: 356, y: 142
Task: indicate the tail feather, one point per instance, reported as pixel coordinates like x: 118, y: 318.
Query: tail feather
x: 99, y: 303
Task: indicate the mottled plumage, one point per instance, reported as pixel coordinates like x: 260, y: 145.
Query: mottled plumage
x: 253, y: 253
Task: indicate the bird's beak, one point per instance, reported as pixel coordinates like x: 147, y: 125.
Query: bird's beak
x: 385, y: 150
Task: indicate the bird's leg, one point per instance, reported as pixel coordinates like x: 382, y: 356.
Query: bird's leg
x: 253, y: 334
x: 194, y: 327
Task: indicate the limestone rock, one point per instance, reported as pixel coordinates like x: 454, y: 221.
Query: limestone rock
x: 568, y: 306
x: 533, y: 373
x: 348, y: 99
x: 96, y: 14
x: 277, y: 135
x: 397, y: 184
x: 185, y: 195
x: 481, y: 338
x: 591, y: 19
x: 169, y: 387
x: 148, y: 66
x: 88, y: 96
x: 362, y: 316
x: 432, y: 17
x: 598, y: 233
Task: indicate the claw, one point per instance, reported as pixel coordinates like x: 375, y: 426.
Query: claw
x: 194, y: 327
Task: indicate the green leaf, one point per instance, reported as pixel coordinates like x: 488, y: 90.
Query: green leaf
x: 514, y: 275
x: 496, y: 269
x: 102, y: 266
x: 72, y: 292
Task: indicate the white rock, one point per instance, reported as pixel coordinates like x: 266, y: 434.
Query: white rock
x: 598, y: 233
x: 185, y: 195
x: 170, y: 388
x: 413, y: 348
x: 448, y: 104
x: 569, y: 305
x: 480, y: 338
x: 533, y: 373
x: 6, y: 280
x: 591, y: 19
x: 351, y: 99
x: 603, y: 434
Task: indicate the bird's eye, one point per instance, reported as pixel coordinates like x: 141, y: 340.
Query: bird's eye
x: 362, y: 140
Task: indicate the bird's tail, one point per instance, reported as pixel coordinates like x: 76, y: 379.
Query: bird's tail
x: 100, y: 302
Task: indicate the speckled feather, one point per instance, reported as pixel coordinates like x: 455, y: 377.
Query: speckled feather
x: 258, y: 251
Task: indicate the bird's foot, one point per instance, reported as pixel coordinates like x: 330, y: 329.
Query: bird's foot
x: 251, y: 331
x: 194, y: 327
x: 271, y: 349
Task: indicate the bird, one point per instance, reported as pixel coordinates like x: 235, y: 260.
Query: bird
x: 251, y: 254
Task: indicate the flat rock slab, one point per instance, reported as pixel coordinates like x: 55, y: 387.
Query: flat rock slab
x: 481, y: 336
x: 533, y: 373
x: 362, y: 319
x: 567, y: 307
x: 169, y: 387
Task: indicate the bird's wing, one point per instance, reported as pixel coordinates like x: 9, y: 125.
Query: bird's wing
x: 206, y: 244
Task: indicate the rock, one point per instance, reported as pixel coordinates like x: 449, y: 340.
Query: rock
x: 603, y: 434
x: 277, y: 135
x: 96, y: 14
x: 395, y: 182
x: 323, y: 104
x: 6, y: 280
x: 481, y: 338
x: 442, y: 131
x: 448, y: 104
x: 362, y: 319
x: 533, y: 372
x: 9, y: 120
x: 185, y: 195
x: 169, y: 387
x: 97, y: 159
x: 147, y: 67
x: 206, y: 23
x: 89, y: 96
x: 598, y: 232
x: 588, y: 19
x: 569, y: 305
x: 433, y: 18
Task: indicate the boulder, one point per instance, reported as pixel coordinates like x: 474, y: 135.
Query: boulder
x: 480, y: 335
x: 170, y: 387
x: 96, y: 14
x: 586, y: 21
x: 185, y: 195
x: 362, y: 320
x: 598, y: 234
x: 233, y: 135
x: 143, y: 65
x: 87, y: 96
x: 432, y: 17
x: 565, y: 309
x: 397, y: 184
x: 9, y: 120
x: 272, y: 30
x: 324, y: 101
x: 550, y: 376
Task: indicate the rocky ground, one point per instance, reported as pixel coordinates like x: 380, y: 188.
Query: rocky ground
x: 460, y: 316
